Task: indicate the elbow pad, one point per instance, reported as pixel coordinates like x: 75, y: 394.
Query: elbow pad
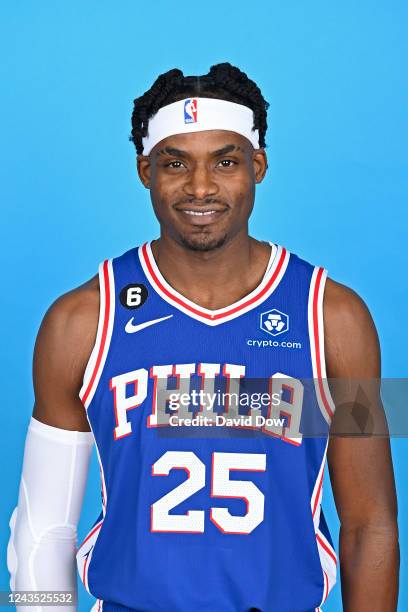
x: 43, y: 525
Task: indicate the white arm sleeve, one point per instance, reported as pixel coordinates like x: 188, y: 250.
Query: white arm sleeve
x: 43, y: 526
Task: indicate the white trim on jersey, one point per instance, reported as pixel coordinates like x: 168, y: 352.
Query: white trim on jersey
x: 85, y: 551
x: 99, y: 352
x: 83, y: 557
x: 327, y: 555
x: 276, y: 268
x: 315, y: 502
x: 328, y: 560
x: 102, y: 475
x: 316, y: 336
x: 90, y: 367
x: 98, y: 606
x: 91, y: 379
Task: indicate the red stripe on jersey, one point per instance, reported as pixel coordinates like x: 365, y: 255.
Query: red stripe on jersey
x: 97, y: 526
x: 104, y: 331
x: 220, y: 315
x: 326, y: 548
x: 317, y: 343
x: 326, y: 586
x: 318, y: 493
x: 84, y: 572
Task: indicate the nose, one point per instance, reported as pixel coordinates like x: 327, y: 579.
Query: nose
x: 200, y: 183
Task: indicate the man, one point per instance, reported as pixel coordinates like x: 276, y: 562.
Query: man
x: 217, y: 513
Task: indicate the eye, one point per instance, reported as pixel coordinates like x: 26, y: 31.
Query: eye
x: 227, y: 163
x: 174, y: 164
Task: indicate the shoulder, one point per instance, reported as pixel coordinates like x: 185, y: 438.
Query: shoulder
x: 75, y: 311
x: 63, y: 346
x: 341, y: 304
x: 350, y: 336
x: 345, y: 309
x: 351, y: 340
x: 68, y: 331
x: 75, y: 314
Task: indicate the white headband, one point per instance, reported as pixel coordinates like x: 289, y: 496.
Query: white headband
x: 197, y: 115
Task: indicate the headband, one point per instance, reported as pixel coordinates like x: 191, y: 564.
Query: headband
x: 197, y: 115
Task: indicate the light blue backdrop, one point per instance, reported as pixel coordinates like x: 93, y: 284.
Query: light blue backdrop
x: 335, y: 192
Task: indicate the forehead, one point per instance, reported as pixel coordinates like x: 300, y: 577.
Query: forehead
x: 206, y: 142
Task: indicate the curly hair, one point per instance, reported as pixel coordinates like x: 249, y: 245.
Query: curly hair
x: 223, y: 81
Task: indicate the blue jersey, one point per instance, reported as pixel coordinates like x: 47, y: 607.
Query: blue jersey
x: 211, y: 430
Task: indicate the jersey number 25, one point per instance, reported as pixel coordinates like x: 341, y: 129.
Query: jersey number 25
x: 221, y: 486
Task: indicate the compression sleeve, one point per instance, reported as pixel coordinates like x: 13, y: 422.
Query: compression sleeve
x: 43, y: 525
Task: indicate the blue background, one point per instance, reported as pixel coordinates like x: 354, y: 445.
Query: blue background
x: 335, y: 192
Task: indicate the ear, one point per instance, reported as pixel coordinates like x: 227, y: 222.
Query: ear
x: 144, y: 169
x: 260, y: 164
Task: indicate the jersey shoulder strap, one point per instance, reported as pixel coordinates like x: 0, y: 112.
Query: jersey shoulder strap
x: 114, y: 272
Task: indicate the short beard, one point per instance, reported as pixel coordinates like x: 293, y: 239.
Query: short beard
x: 203, y: 242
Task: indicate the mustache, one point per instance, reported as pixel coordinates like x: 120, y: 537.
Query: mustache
x: 200, y: 202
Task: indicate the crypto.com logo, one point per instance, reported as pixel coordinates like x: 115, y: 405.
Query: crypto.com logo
x: 274, y: 322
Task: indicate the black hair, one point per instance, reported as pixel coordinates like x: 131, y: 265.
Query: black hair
x: 223, y: 81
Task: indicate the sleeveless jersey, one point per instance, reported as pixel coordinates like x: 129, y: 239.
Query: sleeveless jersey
x: 216, y: 515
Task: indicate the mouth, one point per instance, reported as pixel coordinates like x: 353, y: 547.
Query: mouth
x: 201, y: 216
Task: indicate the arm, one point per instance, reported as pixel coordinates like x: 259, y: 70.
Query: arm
x: 42, y: 546
x: 360, y: 467
x: 64, y: 344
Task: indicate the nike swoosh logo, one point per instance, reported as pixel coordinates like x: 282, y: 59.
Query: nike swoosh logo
x: 131, y: 329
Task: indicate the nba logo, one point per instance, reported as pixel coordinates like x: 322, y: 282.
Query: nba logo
x: 190, y: 110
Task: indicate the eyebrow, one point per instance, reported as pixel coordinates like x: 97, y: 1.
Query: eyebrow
x: 179, y: 153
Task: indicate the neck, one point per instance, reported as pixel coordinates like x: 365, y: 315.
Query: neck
x: 213, y: 279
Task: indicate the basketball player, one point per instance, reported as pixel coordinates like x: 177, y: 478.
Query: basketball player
x: 205, y: 505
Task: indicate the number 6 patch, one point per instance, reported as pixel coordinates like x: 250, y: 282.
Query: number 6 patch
x: 133, y: 296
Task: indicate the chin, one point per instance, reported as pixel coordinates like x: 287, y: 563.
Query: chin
x: 202, y: 241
